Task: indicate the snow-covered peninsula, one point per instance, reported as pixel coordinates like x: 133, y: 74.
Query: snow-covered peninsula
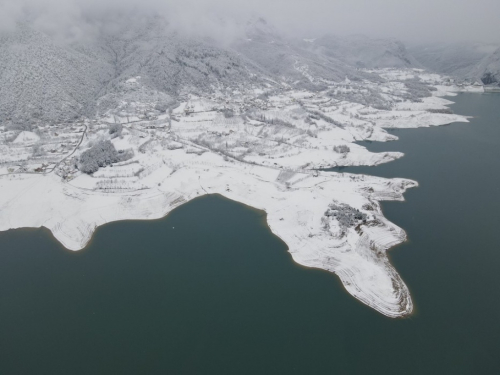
x: 266, y: 148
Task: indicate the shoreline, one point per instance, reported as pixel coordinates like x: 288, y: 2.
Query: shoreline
x: 68, y: 230
x: 294, y: 200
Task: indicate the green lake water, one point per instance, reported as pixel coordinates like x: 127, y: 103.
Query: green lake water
x: 209, y: 290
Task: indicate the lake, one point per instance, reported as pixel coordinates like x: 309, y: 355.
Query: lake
x: 209, y: 290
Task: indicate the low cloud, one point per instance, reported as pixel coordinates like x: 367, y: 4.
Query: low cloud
x: 424, y: 20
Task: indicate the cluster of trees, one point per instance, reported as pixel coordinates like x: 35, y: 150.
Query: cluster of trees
x: 166, y: 105
x: 311, y: 86
x: 274, y: 121
x: 443, y: 110
x: 316, y: 115
x: 101, y: 154
x: 341, y: 149
x: 347, y: 216
x: 417, y: 90
x: 489, y: 78
x: 365, y: 96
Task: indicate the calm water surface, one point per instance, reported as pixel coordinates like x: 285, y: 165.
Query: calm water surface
x: 209, y: 290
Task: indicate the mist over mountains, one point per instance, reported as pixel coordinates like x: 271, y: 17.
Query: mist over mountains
x: 44, y: 77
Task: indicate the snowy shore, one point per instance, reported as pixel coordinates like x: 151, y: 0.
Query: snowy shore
x: 268, y: 162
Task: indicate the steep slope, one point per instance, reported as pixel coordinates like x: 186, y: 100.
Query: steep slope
x: 488, y: 70
x: 289, y: 60
x: 456, y: 59
x: 364, y: 52
x: 42, y: 81
x: 308, y: 61
x: 169, y: 64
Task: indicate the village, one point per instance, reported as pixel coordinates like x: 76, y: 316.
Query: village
x: 296, y: 131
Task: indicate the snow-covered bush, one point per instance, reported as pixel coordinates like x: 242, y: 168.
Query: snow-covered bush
x: 228, y: 112
x: 115, y: 130
x: 37, y: 150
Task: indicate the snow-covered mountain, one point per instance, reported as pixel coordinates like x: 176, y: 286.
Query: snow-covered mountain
x: 137, y: 119
x: 329, y: 57
x: 473, y: 61
x: 288, y: 59
x: 364, y: 52
x: 455, y: 59
x: 488, y: 70
x: 42, y: 80
x: 168, y: 64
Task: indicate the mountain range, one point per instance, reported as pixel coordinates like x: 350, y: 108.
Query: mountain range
x: 44, y: 80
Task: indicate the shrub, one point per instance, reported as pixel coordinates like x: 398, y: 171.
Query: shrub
x: 228, y: 112
x: 37, y: 150
x: 115, y: 130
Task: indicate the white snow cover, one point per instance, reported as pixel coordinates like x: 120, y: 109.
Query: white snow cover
x: 26, y: 137
x: 268, y: 161
x: 294, y: 214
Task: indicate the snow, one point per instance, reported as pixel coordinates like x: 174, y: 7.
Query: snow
x: 267, y: 159
x: 27, y: 137
x: 133, y: 80
x: 72, y: 211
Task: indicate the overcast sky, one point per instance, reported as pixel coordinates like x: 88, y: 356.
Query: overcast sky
x: 417, y: 20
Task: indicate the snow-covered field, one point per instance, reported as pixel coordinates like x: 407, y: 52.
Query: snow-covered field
x: 262, y: 150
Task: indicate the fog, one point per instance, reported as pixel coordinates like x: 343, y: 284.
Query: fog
x: 413, y: 21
